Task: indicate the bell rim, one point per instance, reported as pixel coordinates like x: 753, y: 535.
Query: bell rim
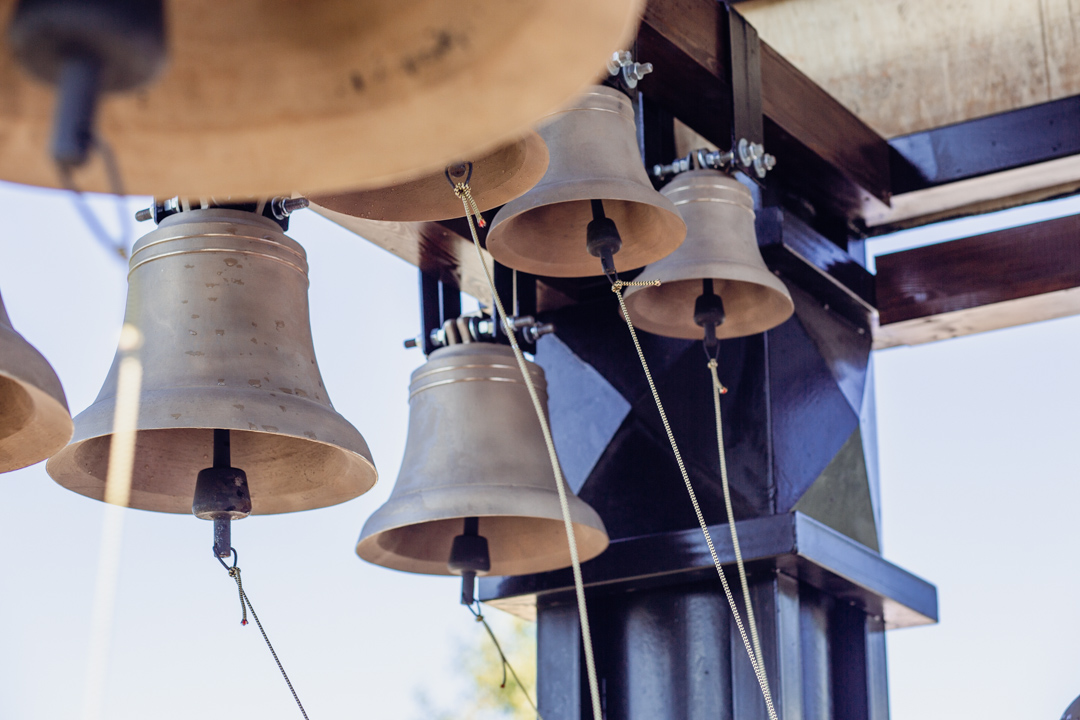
x: 50, y: 415
x: 581, y: 264
x: 783, y: 309
x: 588, y: 525
x: 447, y: 205
x: 347, y: 122
x: 95, y: 423
x: 94, y: 488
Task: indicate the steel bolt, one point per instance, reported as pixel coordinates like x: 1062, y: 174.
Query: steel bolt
x: 284, y: 207
x: 619, y: 60
x: 635, y: 72
x: 535, y: 332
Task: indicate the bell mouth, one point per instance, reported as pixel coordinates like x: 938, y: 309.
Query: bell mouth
x: 548, y: 237
x: 754, y: 302
x: 18, y: 407
x: 285, y: 473
x: 498, y: 176
x: 33, y: 425
x: 518, y: 545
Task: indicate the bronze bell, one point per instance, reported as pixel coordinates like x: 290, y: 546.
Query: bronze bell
x: 475, y: 450
x: 34, y: 418
x: 594, y: 156
x: 721, y: 247
x: 221, y: 299
x: 262, y: 97
x: 495, y: 178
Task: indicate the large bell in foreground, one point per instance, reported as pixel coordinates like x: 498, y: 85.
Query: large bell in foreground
x: 34, y: 418
x: 475, y: 450
x: 263, y: 97
x: 495, y: 178
x: 221, y: 299
x: 594, y: 156
x: 721, y: 246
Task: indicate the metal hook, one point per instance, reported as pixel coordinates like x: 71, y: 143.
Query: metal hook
x: 235, y: 555
x: 468, y: 177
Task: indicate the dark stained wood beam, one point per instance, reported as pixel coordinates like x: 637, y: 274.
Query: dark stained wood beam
x: 986, y: 282
x: 441, y: 250
x: 826, y: 154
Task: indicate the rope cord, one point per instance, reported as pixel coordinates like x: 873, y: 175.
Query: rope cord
x: 465, y: 194
x: 718, y: 390
x: 245, y: 606
x: 759, y: 669
x: 116, y: 186
x: 505, y: 663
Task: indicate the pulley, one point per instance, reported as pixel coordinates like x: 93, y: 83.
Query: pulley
x: 495, y: 178
x: 259, y: 98
x: 34, y: 418
x: 594, y: 200
x: 220, y: 297
x: 717, y: 278
x: 476, y: 469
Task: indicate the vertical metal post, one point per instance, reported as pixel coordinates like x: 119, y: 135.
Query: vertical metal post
x: 559, y: 668
x: 430, y: 310
x: 656, y: 133
x: 439, y: 301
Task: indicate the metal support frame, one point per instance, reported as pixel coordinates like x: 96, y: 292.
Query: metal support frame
x: 440, y: 300
x: 799, y: 424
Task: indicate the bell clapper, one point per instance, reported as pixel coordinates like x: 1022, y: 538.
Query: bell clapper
x: 709, y: 312
x: 221, y: 494
x: 469, y: 556
x: 602, y: 238
x: 86, y: 49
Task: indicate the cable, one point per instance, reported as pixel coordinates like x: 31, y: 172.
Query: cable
x: 465, y: 194
x: 759, y: 669
x: 505, y: 663
x: 234, y: 573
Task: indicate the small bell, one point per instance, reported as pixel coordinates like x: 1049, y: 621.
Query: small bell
x: 717, y: 278
x: 495, y: 178
x: 34, y: 418
x: 595, y: 197
x: 476, y: 492
x: 220, y: 297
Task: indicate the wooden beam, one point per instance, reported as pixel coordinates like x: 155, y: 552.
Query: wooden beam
x: 435, y: 248
x: 909, y: 65
x: 978, y: 195
x: 986, y: 282
x: 825, y: 152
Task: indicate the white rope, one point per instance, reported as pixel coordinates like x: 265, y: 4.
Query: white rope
x: 759, y: 666
x: 463, y: 192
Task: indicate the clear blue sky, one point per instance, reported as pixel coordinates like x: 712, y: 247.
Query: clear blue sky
x: 978, y: 440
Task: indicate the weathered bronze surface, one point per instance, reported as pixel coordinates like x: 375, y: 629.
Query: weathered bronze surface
x: 263, y: 98
x: 475, y: 449
x: 497, y: 177
x: 221, y: 299
x: 34, y: 418
x: 721, y: 245
x: 594, y: 156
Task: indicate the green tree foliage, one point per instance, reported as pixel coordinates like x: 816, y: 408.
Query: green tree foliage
x: 479, y: 668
